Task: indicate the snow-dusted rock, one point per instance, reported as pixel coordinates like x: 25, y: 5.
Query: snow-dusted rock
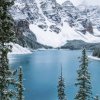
x: 47, y: 18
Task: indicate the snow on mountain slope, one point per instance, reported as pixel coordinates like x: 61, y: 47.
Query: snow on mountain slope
x: 57, y: 40
x: 54, y: 24
x: 92, y: 39
x: 96, y: 32
x: 47, y: 37
x: 17, y: 49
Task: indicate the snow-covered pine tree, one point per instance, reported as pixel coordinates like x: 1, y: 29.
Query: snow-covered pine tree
x: 20, y: 87
x: 83, y: 80
x: 6, y: 36
x: 61, y: 87
x: 6, y: 22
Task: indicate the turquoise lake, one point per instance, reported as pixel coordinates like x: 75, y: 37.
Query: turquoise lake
x: 42, y: 70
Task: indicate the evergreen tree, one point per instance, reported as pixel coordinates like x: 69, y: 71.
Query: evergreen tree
x: 61, y: 88
x: 20, y: 84
x: 6, y: 36
x: 6, y: 22
x: 7, y: 78
x: 83, y: 80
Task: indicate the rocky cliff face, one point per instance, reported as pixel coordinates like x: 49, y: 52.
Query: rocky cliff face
x: 49, y: 15
x: 25, y: 36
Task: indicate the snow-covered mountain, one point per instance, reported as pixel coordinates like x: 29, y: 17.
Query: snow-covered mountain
x: 51, y: 24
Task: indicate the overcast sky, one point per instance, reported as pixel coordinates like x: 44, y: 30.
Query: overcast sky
x: 77, y: 2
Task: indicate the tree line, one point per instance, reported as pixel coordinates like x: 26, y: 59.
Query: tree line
x: 96, y: 52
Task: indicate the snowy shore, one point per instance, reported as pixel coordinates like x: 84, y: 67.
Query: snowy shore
x: 94, y: 58
x: 17, y: 49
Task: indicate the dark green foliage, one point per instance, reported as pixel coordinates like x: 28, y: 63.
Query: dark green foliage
x: 6, y: 22
x: 6, y: 36
x: 20, y: 87
x: 61, y: 88
x: 7, y: 78
x: 96, y: 52
x: 83, y: 80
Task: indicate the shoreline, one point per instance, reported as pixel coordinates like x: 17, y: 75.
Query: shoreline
x: 94, y: 58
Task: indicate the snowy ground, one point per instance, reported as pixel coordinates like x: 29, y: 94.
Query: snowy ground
x: 94, y: 58
x: 17, y: 49
x: 67, y: 33
x: 96, y: 32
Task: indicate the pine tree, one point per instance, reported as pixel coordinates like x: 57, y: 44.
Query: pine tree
x: 6, y: 22
x: 7, y: 78
x: 83, y: 80
x: 61, y: 88
x: 20, y: 84
x: 6, y: 36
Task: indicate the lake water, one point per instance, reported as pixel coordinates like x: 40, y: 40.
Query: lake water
x: 42, y: 69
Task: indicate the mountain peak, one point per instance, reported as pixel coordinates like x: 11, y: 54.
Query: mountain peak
x: 67, y: 3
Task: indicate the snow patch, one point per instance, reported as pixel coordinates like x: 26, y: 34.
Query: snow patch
x: 17, y: 49
x: 94, y: 58
x: 57, y: 40
x: 96, y: 32
x: 47, y: 37
x: 92, y: 39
